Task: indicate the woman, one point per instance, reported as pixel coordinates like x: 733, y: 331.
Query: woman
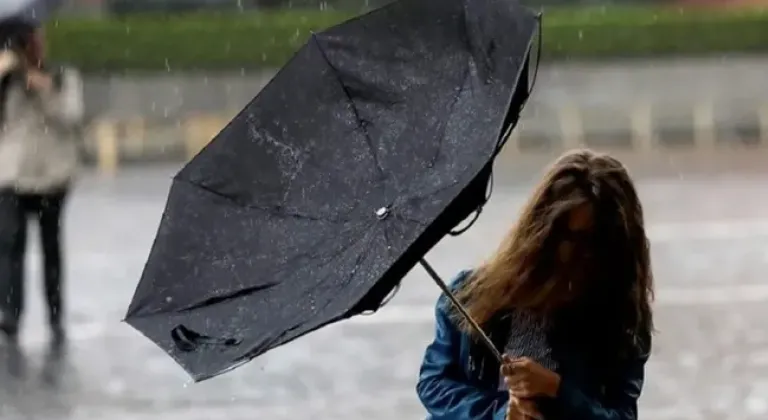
x: 567, y: 298
x: 42, y: 109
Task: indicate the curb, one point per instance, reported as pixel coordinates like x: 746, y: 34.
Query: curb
x: 112, y: 143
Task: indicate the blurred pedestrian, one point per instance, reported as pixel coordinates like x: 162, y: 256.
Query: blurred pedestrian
x: 41, y: 109
x: 566, y: 298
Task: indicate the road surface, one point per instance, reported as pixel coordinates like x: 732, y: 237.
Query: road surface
x: 710, y: 362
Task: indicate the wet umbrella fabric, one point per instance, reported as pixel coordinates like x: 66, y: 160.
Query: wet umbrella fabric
x: 311, y: 205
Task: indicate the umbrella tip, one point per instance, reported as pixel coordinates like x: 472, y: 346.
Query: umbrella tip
x: 382, y: 213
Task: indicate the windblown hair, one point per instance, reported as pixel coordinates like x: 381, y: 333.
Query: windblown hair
x: 520, y: 276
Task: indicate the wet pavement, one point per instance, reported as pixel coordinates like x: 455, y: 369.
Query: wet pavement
x: 710, y: 253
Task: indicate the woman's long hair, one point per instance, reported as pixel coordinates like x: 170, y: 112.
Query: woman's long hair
x: 520, y: 275
x: 15, y: 35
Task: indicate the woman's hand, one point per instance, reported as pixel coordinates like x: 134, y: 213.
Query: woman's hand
x: 37, y: 80
x: 519, y: 409
x: 8, y: 61
x: 527, y: 379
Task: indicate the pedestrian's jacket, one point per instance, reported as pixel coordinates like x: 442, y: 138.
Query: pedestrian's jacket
x: 459, y: 379
x: 40, y: 132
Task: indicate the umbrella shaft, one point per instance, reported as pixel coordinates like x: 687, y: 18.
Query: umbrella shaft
x: 444, y: 287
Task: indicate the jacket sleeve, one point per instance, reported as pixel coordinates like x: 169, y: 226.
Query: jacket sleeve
x: 619, y: 402
x: 64, y: 102
x: 443, y: 387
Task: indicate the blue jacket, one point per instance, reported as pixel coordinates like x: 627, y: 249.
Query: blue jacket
x: 459, y: 379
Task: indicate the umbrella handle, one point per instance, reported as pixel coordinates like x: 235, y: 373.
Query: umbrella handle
x: 444, y: 287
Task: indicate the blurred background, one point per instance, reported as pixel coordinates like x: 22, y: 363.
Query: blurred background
x: 127, y: 6
x: 677, y: 89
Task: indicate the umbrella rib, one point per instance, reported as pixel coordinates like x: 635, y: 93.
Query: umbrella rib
x: 336, y: 255
x: 331, y: 258
x: 347, y: 279
x: 358, y: 119
x: 467, y: 73
x: 272, y: 212
x: 388, y: 241
x: 445, y: 121
x: 210, y: 301
x: 427, y: 194
x: 363, y: 253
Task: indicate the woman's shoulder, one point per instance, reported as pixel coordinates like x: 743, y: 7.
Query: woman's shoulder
x: 460, y: 279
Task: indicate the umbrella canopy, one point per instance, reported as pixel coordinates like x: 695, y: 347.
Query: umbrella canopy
x: 34, y: 12
x: 373, y: 142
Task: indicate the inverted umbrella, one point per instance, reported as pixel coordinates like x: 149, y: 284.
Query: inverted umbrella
x: 311, y: 205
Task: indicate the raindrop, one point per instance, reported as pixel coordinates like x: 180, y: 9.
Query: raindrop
x: 167, y: 65
x: 581, y: 35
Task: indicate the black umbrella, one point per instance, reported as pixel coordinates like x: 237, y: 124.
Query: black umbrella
x: 368, y: 147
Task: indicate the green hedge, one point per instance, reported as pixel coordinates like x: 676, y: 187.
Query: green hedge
x: 267, y: 40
